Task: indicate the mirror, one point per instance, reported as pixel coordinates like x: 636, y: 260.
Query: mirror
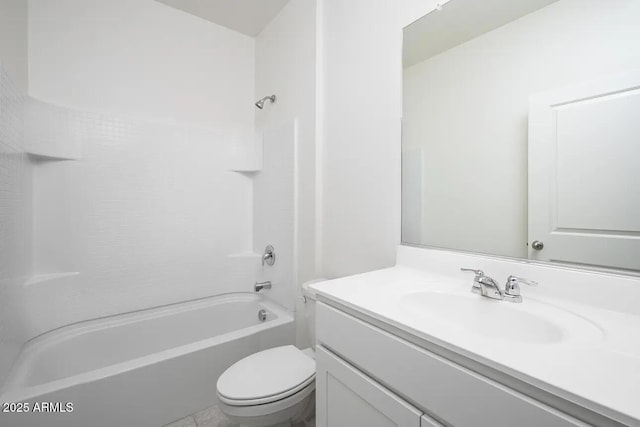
x: 521, y: 130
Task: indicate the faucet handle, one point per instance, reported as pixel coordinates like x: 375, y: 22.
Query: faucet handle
x: 513, y: 281
x: 478, y: 273
x: 512, y: 287
x: 269, y: 256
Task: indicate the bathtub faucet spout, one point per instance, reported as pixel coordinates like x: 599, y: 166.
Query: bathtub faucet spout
x: 262, y: 285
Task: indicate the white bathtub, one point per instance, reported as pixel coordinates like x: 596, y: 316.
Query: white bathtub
x: 146, y: 368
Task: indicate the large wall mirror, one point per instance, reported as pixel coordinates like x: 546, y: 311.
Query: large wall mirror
x: 521, y: 130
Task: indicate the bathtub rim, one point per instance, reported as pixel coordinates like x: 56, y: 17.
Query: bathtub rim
x: 13, y: 391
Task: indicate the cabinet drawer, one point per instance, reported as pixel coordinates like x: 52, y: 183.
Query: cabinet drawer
x: 454, y: 394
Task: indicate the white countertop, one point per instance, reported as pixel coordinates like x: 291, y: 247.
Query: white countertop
x: 595, y: 364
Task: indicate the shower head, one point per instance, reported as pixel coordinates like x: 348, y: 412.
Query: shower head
x: 260, y: 104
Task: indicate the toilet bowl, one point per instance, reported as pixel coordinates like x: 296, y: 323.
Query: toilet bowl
x: 269, y: 388
x: 274, y: 387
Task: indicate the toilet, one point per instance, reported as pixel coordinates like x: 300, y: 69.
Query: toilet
x: 274, y: 387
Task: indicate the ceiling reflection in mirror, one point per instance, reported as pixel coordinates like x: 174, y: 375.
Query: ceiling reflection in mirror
x: 521, y: 130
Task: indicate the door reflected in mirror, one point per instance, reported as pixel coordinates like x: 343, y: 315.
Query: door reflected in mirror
x: 521, y: 125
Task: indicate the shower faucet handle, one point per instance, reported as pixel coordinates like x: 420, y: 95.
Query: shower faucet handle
x: 269, y: 256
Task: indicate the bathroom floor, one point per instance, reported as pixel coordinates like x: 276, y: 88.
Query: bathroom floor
x: 210, y: 417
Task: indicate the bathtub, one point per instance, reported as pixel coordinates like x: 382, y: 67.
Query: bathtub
x: 146, y: 368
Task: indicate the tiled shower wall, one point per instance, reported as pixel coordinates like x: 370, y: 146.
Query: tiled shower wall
x: 15, y: 218
x: 108, y: 214
x: 144, y: 214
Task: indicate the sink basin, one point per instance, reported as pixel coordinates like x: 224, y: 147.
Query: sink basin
x: 530, y: 321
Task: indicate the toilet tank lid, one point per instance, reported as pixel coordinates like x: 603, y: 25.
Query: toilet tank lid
x: 273, y: 372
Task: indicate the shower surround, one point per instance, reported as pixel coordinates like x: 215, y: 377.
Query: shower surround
x: 101, y: 215
x: 143, y: 207
x: 15, y: 224
x: 123, y: 178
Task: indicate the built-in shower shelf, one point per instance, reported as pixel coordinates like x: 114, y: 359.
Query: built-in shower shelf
x: 49, y: 157
x: 51, y: 132
x: 246, y: 164
x: 246, y: 157
x: 48, y: 277
x: 245, y: 171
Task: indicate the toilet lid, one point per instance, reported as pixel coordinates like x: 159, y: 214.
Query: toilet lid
x: 266, y: 376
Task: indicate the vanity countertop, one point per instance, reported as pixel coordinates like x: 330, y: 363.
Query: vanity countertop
x: 584, y: 352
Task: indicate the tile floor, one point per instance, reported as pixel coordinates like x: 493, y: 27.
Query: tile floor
x: 210, y: 417
x: 213, y: 417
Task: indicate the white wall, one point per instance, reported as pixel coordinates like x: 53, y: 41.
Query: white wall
x: 13, y: 40
x: 140, y: 58
x: 361, y: 110
x: 286, y: 67
x: 15, y: 179
x: 468, y: 109
x: 150, y: 212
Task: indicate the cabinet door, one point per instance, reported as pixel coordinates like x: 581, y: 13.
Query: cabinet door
x: 347, y: 398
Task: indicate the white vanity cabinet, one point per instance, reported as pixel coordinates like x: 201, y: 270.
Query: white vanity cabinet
x: 363, y: 370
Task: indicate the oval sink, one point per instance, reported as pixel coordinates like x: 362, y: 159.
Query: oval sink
x: 530, y: 321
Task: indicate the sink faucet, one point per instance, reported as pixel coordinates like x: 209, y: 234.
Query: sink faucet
x: 484, y: 285
x: 488, y: 287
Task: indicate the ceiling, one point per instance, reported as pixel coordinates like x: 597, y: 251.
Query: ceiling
x: 246, y: 16
x: 459, y: 21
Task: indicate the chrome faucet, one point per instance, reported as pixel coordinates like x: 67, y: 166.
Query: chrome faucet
x: 488, y: 287
x: 484, y: 285
x: 262, y: 285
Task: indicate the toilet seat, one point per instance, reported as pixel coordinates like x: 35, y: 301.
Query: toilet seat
x: 267, y: 376
x: 277, y: 411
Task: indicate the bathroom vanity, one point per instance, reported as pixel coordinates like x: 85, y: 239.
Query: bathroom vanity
x: 413, y: 346
x: 513, y: 121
